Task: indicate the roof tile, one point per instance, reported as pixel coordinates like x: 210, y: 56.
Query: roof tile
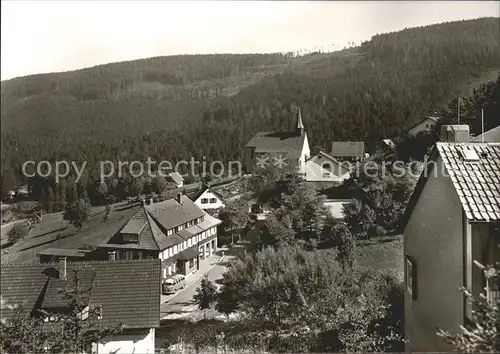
x: 477, y: 182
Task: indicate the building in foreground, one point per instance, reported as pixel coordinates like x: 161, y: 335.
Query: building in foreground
x: 125, y: 293
x: 176, y: 231
x: 451, y: 230
x: 279, y: 151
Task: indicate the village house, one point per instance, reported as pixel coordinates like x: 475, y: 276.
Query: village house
x: 446, y: 250
x: 208, y: 200
x: 176, y: 231
x: 174, y: 180
x: 281, y: 151
x: 425, y: 126
x: 351, y: 151
x: 125, y: 293
x: 324, y: 171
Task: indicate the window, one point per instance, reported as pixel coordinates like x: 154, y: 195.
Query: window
x: 326, y: 175
x: 327, y: 166
x: 175, y: 249
x: 136, y: 255
x: 184, y: 244
x: 180, y: 228
x: 170, y: 232
x: 186, y: 225
x: 190, y: 242
x: 213, y: 200
x: 204, y: 200
x: 191, y: 263
x: 411, y: 277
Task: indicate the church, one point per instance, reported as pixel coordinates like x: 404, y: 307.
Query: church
x: 279, y: 151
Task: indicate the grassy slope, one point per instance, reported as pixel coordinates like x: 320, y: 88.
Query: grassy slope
x: 54, y: 232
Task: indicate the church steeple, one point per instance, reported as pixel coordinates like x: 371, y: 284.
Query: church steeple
x: 299, y: 129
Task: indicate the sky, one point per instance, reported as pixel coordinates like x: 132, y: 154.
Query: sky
x: 50, y: 36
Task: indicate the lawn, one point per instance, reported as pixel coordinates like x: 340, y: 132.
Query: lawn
x: 385, y: 254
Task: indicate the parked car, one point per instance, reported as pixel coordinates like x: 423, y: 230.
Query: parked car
x: 174, y: 283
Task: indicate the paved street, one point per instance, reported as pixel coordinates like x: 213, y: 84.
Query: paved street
x: 181, y: 303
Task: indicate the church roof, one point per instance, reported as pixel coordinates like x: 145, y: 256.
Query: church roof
x: 290, y: 143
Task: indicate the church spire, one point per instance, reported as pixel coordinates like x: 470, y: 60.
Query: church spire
x: 300, y: 126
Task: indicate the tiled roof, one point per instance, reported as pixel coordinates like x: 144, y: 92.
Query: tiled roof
x: 127, y: 291
x: 348, y: 148
x: 170, y: 213
x: 284, y: 142
x: 490, y: 136
x: 477, y: 181
x: 139, y: 225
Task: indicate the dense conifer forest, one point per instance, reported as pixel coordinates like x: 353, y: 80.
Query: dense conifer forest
x: 176, y: 107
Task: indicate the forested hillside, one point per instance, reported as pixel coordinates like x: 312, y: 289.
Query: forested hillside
x: 176, y: 107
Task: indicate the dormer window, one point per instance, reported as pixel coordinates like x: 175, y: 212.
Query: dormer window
x: 469, y: 155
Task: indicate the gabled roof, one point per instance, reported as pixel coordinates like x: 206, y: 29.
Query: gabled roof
x: 176, y: 177
x: 284, y: 142
x: 169, y: 213
x: 490, y: 136
x: 156, y: 219
x: 477, y: 183
x: 139, y: 225
x: 340, y: 171
x: 127, y: 291
x: 348, y: 148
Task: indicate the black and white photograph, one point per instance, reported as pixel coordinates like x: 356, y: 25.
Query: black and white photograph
x: 245, y: 176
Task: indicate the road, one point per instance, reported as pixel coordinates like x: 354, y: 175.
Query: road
x: 181, y: 304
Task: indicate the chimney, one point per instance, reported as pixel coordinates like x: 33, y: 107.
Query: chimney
x: 455, y: 133
x: 179, y: 198
x: 62, y: 268
x: 112, y: 255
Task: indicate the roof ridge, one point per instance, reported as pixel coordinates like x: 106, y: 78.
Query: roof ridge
x: 148, y: 218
